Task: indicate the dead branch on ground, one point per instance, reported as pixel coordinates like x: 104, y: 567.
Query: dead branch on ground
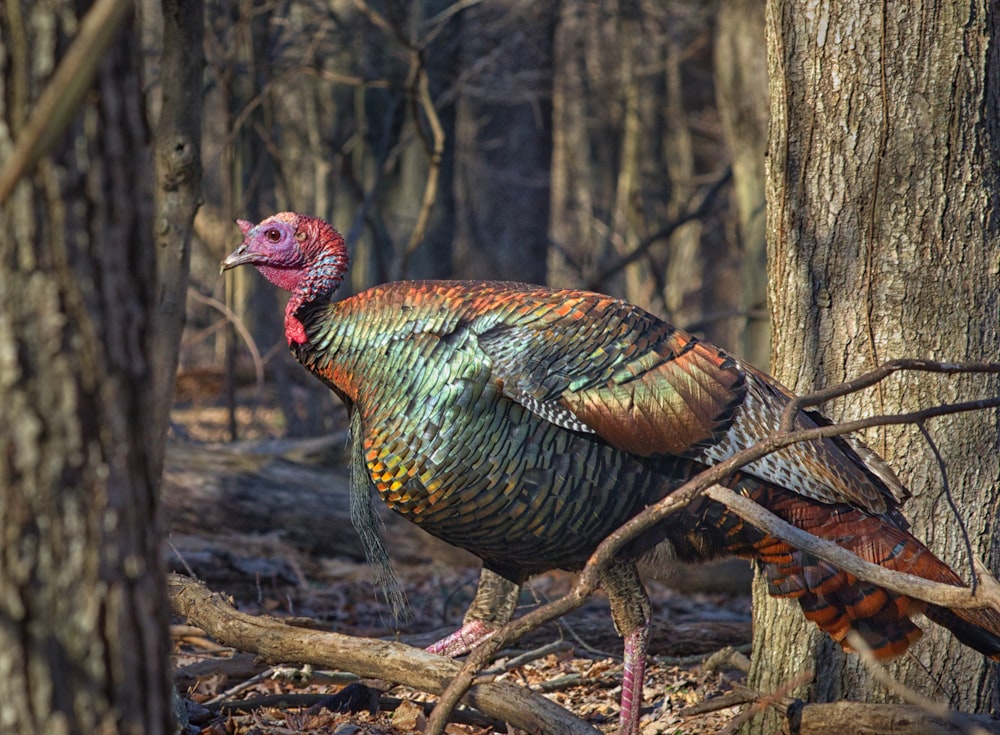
x: 246, y: 489
x: 276, y: 641
x: 837, y: 718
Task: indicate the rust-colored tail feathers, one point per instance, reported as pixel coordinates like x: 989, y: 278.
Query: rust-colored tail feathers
x: 838, y: 601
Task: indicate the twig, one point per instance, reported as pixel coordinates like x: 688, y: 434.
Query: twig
x: 797, y: 403
x: 560, y: 682
x: 946, y: 490
x: 180, y: 556
x: 699, y: 212
x: 935, y: 709
x: 241, y: 687
x: 723, y: 701
x: 377, y: 19
x: 185, y: 631
x: 938, y: 593
x: 241, y: 329
x: 438, y: 23
x: 763, y: 701
x: 58, y: 103
x: 586, y: 646
x: 529, y: 656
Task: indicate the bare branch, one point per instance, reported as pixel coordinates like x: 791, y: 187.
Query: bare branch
x: 777, y: 698
x: 241, y: 329
x: 946, y: 490
x: 707, y: 202
x: 938, y: 593
x: 422, y: 96
x: 877, y: 375
x: 378, y: 20
x: 778, y: 440
x: 61, y: 98
x: 440, y: 21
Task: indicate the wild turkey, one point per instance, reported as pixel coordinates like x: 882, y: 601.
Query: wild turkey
x: 525, y: 424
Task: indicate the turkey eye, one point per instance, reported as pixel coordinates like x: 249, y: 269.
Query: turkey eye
x: 273, y: 235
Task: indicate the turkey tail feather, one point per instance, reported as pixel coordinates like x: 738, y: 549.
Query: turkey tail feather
x: 976, y: 628
x: 836, y: 600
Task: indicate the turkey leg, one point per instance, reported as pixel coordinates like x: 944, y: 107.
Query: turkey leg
x: 631, y: 612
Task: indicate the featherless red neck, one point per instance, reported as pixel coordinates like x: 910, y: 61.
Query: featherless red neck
x: 327, y: 261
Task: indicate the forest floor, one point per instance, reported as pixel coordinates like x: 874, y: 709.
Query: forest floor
x: 576, y: 662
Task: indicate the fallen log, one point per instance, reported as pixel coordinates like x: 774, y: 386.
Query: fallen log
x: 258, y: 488
x: 275, y: 489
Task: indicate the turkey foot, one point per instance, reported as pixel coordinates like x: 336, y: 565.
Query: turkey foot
x: 633, y: 673
x: 463, y: 640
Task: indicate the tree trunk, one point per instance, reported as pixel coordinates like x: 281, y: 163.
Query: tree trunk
x: 83, y: 644
x: 177, y: 150
x: 883, y: 244
x: 636, y: 156
x: 503, y: 146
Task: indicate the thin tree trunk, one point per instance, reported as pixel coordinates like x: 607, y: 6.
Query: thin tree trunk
x: 83, y: 644
x: 883, y: 242
x: 741, y: 92
x: 685, y: 277
x: 178, y: 194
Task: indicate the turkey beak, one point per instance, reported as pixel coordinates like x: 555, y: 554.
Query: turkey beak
x: 240, y: 256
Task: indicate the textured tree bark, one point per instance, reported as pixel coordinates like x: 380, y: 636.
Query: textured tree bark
x: 83, y: 643
x: 883, y: 244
